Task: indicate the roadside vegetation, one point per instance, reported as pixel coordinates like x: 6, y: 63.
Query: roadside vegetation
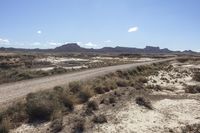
x: 51, y: 105
x: 17, y: 67
x: 12, y: 75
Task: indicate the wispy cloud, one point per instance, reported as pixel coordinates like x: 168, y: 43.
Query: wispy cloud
x: 133, y: 29
x: 39, y: 32
x: 4, y: 41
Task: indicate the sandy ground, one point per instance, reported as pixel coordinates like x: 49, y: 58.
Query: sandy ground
x: 167, y: 115
x: 27, y: 128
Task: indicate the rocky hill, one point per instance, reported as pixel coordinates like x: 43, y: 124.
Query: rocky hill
x: 74, y: 47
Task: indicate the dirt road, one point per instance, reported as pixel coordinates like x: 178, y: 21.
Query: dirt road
x: 11, y: 91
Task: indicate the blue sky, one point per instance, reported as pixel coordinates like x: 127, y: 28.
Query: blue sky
x: 173, y: 24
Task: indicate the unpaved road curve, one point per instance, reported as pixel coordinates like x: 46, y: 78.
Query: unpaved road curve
x: 11, y: 91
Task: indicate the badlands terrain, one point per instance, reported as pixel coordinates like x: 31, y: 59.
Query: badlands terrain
x: 157, y: 95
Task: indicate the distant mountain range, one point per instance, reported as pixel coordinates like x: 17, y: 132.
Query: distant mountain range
x: 74, y: 47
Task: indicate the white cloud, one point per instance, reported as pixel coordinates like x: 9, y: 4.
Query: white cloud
x: 133, y: 29
x: 108, y: 41
x: 90, y: 44
x: 39, y: 32
x: 4, y: 41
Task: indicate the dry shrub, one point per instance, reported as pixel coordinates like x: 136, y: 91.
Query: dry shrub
x: 137, y: 85
x: 100, y: 86
x: 41, y: 106
x: 141, y: 79
x: 100, y: 119
x: 68, y: 102
x: 85, y: 94
x: 182, y: 60
x: 79, y: 126
x: 154, y: 87
x: 16, y: 114
x: 75, y: 86
x: 196, y: 76
x: 192, y: 89
x: 64, y: 98
x: 92, y: 105
x: 194, y: 128
x: 144, y: 102
x: 122, y: 82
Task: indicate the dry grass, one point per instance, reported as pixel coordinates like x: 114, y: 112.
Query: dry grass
x: 13, y: 75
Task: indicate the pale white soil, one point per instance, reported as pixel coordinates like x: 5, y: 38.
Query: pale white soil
x: 143, y: 59
x: 176, y: 79
x: 167, y: 114
x: 56, y: 60
x: 50, y: 68
x: 27, y: 128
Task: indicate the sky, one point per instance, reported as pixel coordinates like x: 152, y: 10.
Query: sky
x: 173, y: 24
